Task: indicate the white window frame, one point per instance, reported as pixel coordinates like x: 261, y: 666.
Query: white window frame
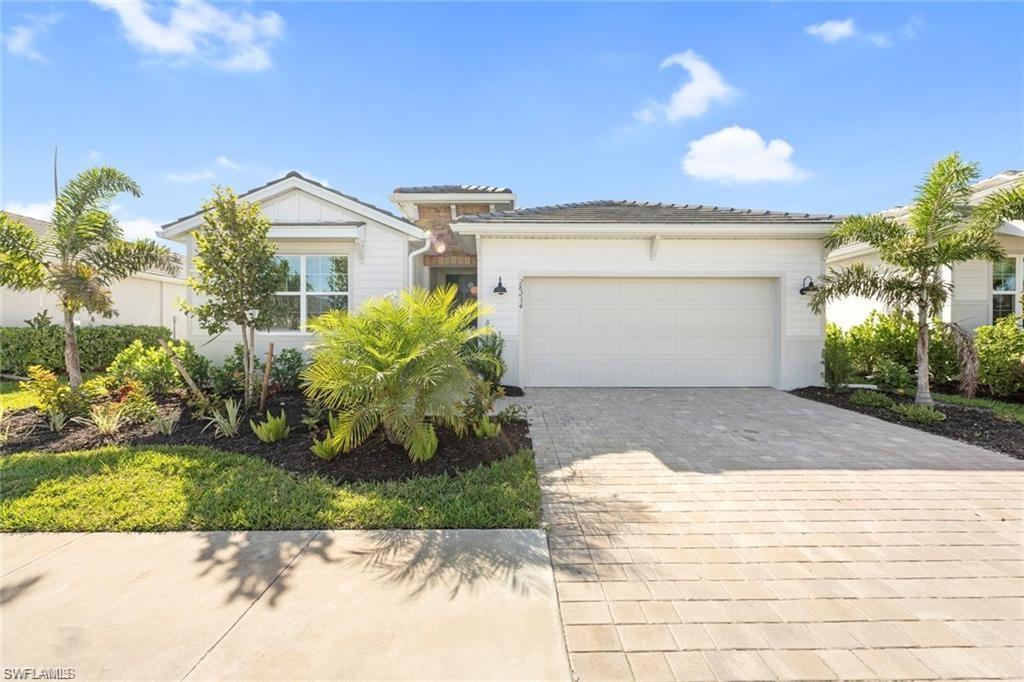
x: 1018, y: 260
x: 302, y: 293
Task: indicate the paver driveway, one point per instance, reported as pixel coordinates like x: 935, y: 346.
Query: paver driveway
x: 751, y: 534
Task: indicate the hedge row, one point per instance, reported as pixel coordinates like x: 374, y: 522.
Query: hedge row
x: 97, y: 346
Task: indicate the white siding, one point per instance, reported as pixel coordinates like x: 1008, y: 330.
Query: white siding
x: 971, y: 304
x: 785, y: 261
x: 138, y: 300
x: 378, y: 271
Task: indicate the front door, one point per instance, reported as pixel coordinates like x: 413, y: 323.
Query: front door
x: 466, y: 284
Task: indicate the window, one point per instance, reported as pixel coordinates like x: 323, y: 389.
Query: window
x: 310, y: 286
x: 1006, y: 286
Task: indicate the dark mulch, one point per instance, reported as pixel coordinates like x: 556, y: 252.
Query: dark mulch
x: 513, y: 391
x: 374, y: 460
x: 972, y: 425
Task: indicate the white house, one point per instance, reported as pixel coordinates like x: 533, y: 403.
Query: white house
x: 604, y: 293
x: 148, y: 297
x: 982, y: 291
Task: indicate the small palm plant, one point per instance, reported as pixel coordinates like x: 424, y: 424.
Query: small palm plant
x: 401, y: 364
x: 82, y: 256
x: 942, y: 229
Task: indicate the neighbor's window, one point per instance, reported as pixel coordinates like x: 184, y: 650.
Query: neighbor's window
x: 1006, y: 286
x: 310, y: 286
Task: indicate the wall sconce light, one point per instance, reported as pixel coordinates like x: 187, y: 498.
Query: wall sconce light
x: 500, y: 290
x: 808, y: 286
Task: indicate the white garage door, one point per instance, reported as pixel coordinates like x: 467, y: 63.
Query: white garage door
x: 646, y: 332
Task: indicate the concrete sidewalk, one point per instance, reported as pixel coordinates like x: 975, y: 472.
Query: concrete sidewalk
x: 458, y: 604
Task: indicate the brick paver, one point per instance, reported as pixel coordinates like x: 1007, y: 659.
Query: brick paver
x: 749, y: 534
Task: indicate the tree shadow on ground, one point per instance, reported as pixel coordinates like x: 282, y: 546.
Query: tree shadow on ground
x: 10, y: 591
x: 256, y: 562
x: 455, y: 560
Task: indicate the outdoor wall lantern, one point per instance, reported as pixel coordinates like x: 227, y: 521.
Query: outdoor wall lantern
x: 808, y: 286
x: 500, y: 290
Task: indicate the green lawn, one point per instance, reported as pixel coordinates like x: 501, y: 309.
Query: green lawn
x: 194, y: 488
x: 1011, y: 411
x: 12, y: 399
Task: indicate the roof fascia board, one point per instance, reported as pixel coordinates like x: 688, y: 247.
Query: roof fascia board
x: 643, y: 230
x: 289, y: 183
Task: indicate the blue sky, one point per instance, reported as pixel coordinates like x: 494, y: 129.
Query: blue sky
x: 813, y: 107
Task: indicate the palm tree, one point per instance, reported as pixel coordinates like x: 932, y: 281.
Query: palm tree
x: 83, y: 254
x: 941, y: 229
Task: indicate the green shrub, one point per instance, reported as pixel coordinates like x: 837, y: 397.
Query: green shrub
x: 1000, y: 349
x: 893, y: 337
x: 485, y: 428
x: 148, y: 365
x: 398, y: 363
x: 328, y: 447
x: 53, y: 395
x: 871, y: 399
x: 288, y: 365
x: 98, y: 345
x: 836, y: 357
x: 271, y: 430
x: 137, y: 405
x: 919, y: 414
x: 892, y: 376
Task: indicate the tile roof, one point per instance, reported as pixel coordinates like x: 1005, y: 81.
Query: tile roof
x: 453, y: 189
x: 296, y: 174
x: 644, y: 212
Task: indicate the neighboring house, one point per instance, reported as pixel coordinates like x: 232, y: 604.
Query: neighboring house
x: 597, y: 294
x: 148, y: 297
x: 982, y: 291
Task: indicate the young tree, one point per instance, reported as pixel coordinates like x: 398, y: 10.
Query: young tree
x: 941, y: 229
x: 236, y: 270
x: 82, y: 256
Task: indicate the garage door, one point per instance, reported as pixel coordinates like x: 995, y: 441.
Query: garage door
x: 646, y: 332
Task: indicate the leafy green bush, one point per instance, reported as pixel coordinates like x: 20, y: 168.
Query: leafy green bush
x: 836, y: 356
x: 285, y: 373
x: 135, y: 401
x: 106, y: 417
x: 150, y: 366
x: 919, y: 414
x: 871, y: 399
x: 53, y: 395
x: 1000, y: 349
x: 399, y: 363
x: 893, y: 337
x: 98, y: 345
x: 271, y: 430
x: 892, y: 376
x: 328, y: 447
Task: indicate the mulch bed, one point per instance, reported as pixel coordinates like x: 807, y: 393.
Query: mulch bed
x: 374, y: 460
x: 972, y: 425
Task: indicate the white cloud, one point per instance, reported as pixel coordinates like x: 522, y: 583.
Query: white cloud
x: 225, y: 162
x: 911, y: 28
x: 139, y: 228
x: 196, y: 31
x: 879, y: 39
x: 705, y: 86
x: 833, y: 30
x: 21, y: 38
x: 39, y: 210
x: 191, y: 176
x: 736, y: 154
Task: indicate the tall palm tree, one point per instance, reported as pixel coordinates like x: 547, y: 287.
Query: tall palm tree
x: 83, y: 254
x: 941, y: 229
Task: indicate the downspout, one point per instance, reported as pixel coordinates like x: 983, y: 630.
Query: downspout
x: 412, y: 257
